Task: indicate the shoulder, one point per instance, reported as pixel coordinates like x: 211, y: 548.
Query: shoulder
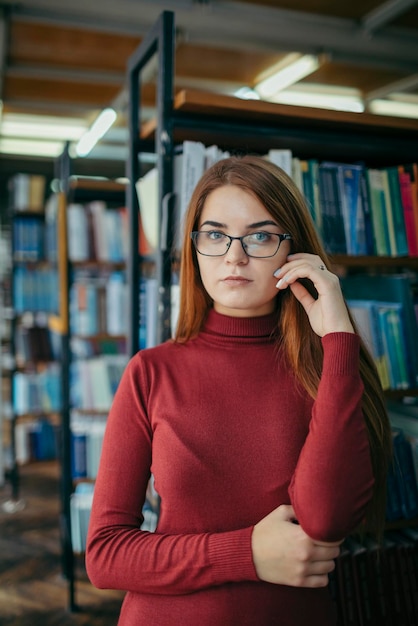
x: 166, y: 351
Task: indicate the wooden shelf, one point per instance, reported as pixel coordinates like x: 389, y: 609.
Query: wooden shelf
x: 255, y: 125
x: 192, y: 102
x: 96, y: 184
x: 375, y: 261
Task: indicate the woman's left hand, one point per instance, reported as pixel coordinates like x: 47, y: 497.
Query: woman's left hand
x: 327, y: 313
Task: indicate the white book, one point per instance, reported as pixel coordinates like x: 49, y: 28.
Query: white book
x: 188, y: 169
x: 20, y: 188
x: 147, y: 191
x: 282, y: 157
x: 100, y: 384
x: 116, y: 304
x: 77, y: 233
x: 98, y: 210
x: 95, y: 434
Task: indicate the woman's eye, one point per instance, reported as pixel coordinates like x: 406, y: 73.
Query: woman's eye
x: 215, y: 235
x: 260, y: 237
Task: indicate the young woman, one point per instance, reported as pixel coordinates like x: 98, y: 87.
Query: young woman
x: 262, y: 423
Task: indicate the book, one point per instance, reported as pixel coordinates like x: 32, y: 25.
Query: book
x: 399, y: 230
x: 388, y: 215
x: 77, y: 233
x: 332, y: 199
x: 27, y: 192
x: 189, y: 165
x: 282, y: 157
x: 346, y: 601
x: 408, y: 212
x: 368, y: 221
x: 404, y: 474
x: 376, y: 576
x: 356, y: 236
x: 378, y: 211
x: 365, y: 314
x: 390, y: 317
x: 147, y: 192
x: 412, y: 170
x: 393, y: 288
x: 310, y: 170
x: 393, y: 581
x: 403, y: 555
x: 362, y: 582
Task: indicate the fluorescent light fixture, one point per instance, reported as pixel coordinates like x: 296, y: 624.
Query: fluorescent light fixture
x: 31, y: 147
x: 395, y: 108
x: 98, y: 129
x: 334, y: 101
x: 246, y: 93
x: 42, y: 127
x: 287, y: 72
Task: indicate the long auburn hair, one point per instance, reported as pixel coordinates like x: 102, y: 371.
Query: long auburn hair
x: 301, y: 345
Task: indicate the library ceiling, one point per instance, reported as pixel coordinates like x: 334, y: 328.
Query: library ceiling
x: 70, y: 60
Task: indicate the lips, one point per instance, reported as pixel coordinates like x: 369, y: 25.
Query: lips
x: 236, y: 280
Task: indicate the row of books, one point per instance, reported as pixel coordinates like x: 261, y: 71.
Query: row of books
x: 37, y: 392
x: 190, y: 161
x: 28, y: 238
x: 148, y: 306
x: 98, y: 303
x: 80, y: 508
x: 358, y: 209
x: 385, y: 311
x: 35, y: 289
x: 93, y: 382
x: 87, y: 433
x: 403, y: 477
x: 27, y: 192
x: 376, y: 584
x: 34, y: 344
x: 97, y: 232
x: 402, y: 484
x: 36, y: 440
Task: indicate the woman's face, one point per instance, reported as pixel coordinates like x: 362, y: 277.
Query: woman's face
x: 239, y: 285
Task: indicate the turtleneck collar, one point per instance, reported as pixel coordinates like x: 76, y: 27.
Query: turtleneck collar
x: 224, y: 327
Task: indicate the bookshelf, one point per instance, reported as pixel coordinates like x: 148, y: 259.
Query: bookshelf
x: 250, y: 126
x: 5, y: 318
x: 92, y: 251
x: 34, y: 371
x: 239, y: 126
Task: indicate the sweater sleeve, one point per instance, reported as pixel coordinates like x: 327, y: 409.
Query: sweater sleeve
x: 119, y: 555
x: 333, y: 480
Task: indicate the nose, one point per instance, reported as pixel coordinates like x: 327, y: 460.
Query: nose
x: 236, y: 253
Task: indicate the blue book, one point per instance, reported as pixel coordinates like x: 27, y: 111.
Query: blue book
x: 391, y: 326
x: 389, y: 288
x: 405, y: 474
x: 365, y: 314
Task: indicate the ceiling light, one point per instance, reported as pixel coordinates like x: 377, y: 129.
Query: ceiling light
x: 394, y: 108
x: 333, y: 101
x: 289, y: 71
x: 99, y: 128
x: 42, y: 127
x: 246, y: 93
x: 31, y: 147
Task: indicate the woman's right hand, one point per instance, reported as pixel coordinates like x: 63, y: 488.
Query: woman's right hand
x: 284, y: 554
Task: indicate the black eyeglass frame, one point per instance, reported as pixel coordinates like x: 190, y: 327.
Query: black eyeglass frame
x: 282, y: 237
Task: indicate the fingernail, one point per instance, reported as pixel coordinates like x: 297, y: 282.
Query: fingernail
x: 280, y: 283
x: 277, y: 272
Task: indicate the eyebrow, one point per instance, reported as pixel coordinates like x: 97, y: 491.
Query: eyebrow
x: 254, y: 225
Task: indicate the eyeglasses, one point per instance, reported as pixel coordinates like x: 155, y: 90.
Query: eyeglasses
x: 260, y: 245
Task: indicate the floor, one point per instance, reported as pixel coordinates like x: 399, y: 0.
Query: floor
x: 33, y: 591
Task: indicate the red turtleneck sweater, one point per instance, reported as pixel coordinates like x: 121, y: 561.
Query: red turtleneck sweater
x: 228, y: 436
